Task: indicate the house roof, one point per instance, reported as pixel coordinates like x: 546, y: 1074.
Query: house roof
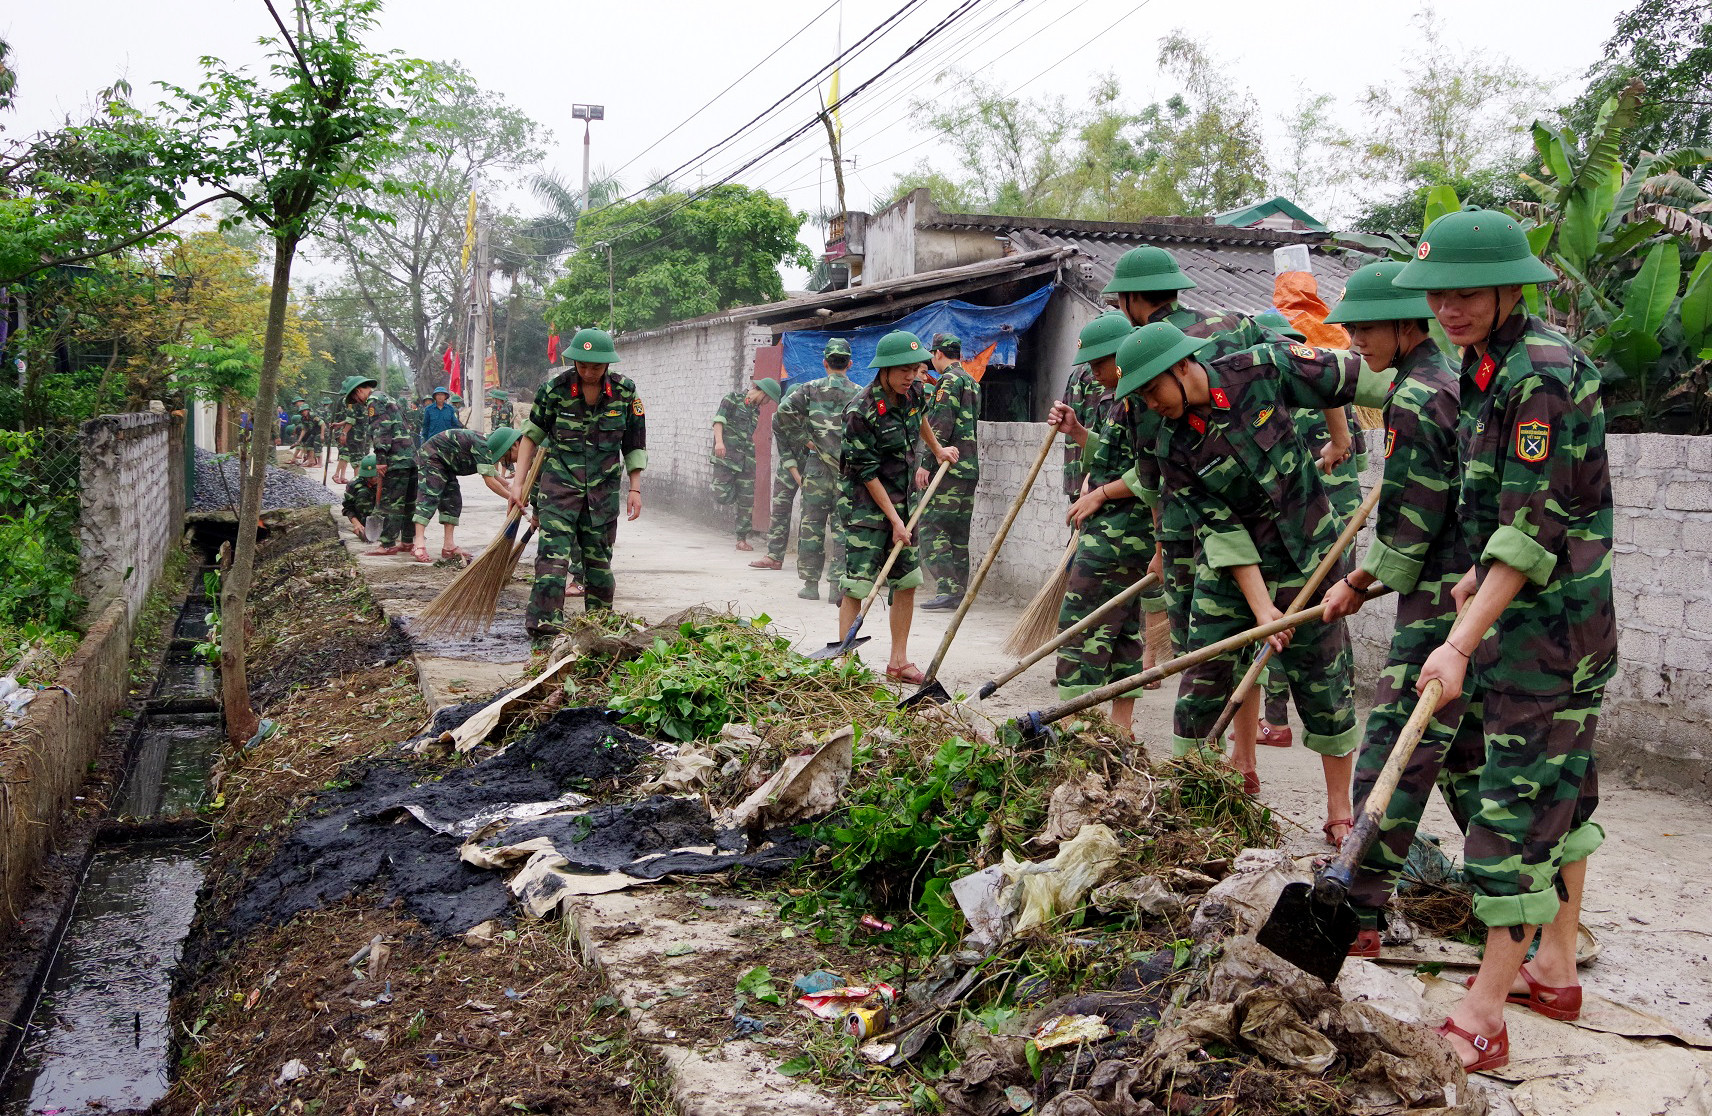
x: 1251, y: 215
x: 1231, y: 265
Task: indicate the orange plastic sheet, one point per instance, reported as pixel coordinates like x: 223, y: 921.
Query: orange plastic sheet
x: 976, y: 365
x: 1297, y: 296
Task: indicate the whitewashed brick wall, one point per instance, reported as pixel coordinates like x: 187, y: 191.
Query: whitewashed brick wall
x: 1037, y: 540
x: 127, y: 523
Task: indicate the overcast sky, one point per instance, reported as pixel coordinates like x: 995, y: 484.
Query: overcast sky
x: 653, y: 63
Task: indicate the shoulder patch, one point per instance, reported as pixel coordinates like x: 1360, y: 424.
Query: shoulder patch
x: 1533, y: 441
x: 1297, y: 349
x: 939, y: 396
x: 636, y: 406
x: 1390, y: 440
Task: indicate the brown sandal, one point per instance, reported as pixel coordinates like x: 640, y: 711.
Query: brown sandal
x: 1565, y: 1003
x: 1493, y: 1050
x: 420, y: 554
x: 1337, y: 842
x: 909, y: 673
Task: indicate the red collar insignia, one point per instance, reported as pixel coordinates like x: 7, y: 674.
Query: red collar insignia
x: 1485, y: 371
x: 1198, y: 423
x: 880, y: 405
x: 609, y: 389
x: 1220, y: 399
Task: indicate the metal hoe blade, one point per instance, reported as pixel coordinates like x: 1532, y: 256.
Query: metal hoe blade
x: 1310, y: 935
x: 931, y: 690
x: 842, y: 647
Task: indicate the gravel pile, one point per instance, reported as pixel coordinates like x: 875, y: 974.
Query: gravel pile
x: 282, y: 489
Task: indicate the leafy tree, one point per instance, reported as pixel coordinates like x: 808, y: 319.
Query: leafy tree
x: 300, y: 148
x: 405, y: 261
x: 677, y: 256
x: 1667, y: 45
x: 1312, y: 167
x: 1204, y: 142
x: 1492, y: 188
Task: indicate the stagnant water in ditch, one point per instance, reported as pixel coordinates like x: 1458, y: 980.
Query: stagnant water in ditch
x: 100, y: 1037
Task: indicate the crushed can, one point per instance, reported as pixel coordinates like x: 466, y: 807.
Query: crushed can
x: 863, y: 1023
x: 873, y: 925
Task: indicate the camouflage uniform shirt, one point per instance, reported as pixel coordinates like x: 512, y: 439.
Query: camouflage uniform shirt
x: 386, y: 434
x: 1417, y: 542
x: 456, y: 453
x: 1536, y: 495
x: 952, y: 413
x: 812, y: 417
x: 589, y: 448
x: 880, y: 436
x: 739, y: 420
x: 1237, y: 464
x: 1082, y: 396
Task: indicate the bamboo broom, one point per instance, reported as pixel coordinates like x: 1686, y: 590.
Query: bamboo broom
x: 1039, y: 621
x: 468, y: 604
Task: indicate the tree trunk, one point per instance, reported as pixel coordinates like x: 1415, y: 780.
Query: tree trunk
x: 241, y: 720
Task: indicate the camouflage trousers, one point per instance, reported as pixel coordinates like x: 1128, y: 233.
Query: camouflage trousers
x: 1110, y: 557
x: 1520, y: 778
x: 820, y: 529
x: 945, y: 534
x: 575, y: 540
x: 440, y: 493
x: 397, y: 504
x: 866, y: 547
x: 1319, y: 662
x: 359, y: 500
x: 734, y: 485
x: 1343, y: 489
x: 779, y: 529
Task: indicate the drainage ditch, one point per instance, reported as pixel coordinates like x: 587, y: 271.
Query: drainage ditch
x: 99, y: 1037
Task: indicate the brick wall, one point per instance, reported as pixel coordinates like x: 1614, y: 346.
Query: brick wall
x: 1037, y: 539
x: 132, y: 504
x: 1658, y: 709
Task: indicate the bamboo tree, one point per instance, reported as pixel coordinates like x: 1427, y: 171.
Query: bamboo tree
x: 297, y: 149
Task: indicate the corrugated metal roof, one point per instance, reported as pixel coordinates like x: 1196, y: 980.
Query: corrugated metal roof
x: 1232, y: 273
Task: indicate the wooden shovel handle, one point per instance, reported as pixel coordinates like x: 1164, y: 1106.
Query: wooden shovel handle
x: 992, y: 554
x: 1072, y: 632
x: 1303, y: 596
x: 1332, y: 885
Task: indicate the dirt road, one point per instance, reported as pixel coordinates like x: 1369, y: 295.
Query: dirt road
x: 1645, y: 902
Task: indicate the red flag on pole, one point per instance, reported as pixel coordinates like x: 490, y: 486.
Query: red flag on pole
x: 552, y: 348
x: 455, y: 377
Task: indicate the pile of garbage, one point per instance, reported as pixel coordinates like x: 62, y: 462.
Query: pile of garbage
x: 218, y: 484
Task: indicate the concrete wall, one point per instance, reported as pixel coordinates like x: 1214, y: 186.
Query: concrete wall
x: 132, y: 481
x: 937, y: 249
x: 890, y: 242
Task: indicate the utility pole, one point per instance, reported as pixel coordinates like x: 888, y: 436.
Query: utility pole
x: 480, y: 302
x: 587, y: 113
x: 386, y: 361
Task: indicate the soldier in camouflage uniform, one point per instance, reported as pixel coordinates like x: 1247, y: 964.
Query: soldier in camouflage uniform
x: 1117, y: 528
x: 359, y: 502
x: 787, y: 479
x: 498, y: 409
x: 380, y: 423
x: 1082, y: 396
x: 881, y: 428
x: 813, y: 422
x: 1535, y: 639
x: 590, y: 423
x: 444, y: 458
x: 1417, y: 551
x: 733, y: 457
x: 952, y: 410
x: 1230, y: 456
x: 1146, y: 283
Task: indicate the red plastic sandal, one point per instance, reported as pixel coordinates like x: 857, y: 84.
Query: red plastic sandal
x: 1367, y: 944
x: 1493, y: 1051
x: 1565, y: 1003
x: 1276, y: 736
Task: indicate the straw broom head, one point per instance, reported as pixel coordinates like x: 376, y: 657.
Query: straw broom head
x: 1039, y: 621
x: 468, y: 604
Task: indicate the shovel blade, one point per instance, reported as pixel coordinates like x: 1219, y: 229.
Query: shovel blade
x: 1312, y: 936
x: 930, y: 691
x: 843, y: 647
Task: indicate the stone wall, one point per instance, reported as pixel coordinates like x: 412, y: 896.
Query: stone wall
x: 132, y: 504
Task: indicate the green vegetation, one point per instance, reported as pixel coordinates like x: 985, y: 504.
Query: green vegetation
x: 38, y: 531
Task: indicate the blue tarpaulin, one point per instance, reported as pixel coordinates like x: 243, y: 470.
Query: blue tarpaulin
x: 976, y: 326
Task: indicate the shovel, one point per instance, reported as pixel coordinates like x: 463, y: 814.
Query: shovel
x: 849, y: 643
x: 932, y: 689
x: 1313, y: 926
x: 988, y: 689
x: 1034, y: 726
x: 1303, y: 596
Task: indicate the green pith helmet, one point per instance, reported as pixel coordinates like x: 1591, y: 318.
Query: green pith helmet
x: 352, y: 383
x: 593, y: 346
x: 1473, y: 247
x: 1370, y: 296
x: 499, y: 394
x: 300, y: 402
x: 771, y: 388
x: 836, y: 346
x: 1102, y: 336
x: 456, y: 399
x: 1148, y: 269
x: 1279, y: 324
x: 501, y: 440
x: 367, y: 468
x: 1150, y: 352
x: 898, y: 347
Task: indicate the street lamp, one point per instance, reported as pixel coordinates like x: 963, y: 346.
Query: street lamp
x: 587, y: 113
